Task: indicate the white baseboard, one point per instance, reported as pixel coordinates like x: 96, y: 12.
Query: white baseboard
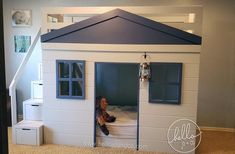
x: 217, y: 129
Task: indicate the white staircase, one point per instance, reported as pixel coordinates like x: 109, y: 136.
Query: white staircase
x: 30, y: 130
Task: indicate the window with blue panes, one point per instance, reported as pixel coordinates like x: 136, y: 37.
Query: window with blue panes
x: 70, y: 79
x: 165, y: 83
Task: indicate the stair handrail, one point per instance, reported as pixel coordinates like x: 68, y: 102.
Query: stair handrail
x: 12, y: 87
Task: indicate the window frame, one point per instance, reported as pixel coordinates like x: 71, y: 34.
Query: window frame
x: 70, y: 79
x: 179, y: 84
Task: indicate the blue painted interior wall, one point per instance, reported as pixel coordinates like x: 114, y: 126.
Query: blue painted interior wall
x: 118, y: 82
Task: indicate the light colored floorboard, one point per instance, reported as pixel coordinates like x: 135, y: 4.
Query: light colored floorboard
x: 213, y: 142
x: 217, y: 142
x: 60, y: 149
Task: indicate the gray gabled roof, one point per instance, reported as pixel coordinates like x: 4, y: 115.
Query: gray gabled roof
x: 120, y: 27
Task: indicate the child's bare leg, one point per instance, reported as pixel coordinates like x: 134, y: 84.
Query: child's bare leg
x: 101, y: 120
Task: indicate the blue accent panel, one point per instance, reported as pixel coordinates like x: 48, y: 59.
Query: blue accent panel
x: 69, y: 79
x: 94, y: 140
x: 138, y: 118
x: 120, y: 27
x: 165, y: 83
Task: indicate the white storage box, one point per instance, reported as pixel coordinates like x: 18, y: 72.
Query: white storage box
x: 32, y: 109
x: 36, y: 89
x: 29, y: 133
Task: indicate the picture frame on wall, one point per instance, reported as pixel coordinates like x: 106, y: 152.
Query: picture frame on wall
x: 22, y: 43
x: 21, y: 18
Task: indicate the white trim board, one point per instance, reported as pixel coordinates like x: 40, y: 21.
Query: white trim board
x: 232, y: 130
x: 122, y: 48
x: 137, y: 9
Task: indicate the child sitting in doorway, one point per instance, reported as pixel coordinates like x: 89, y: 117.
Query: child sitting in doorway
x: 101, y: 115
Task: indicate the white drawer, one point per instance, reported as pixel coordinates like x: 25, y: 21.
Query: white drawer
x: 28, y: 133
x: 32, y: 109
x: 36, y: 89
x: 33, y: 112
x: 26, y: 136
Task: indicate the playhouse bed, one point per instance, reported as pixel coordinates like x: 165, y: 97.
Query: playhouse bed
x: 123, y: 132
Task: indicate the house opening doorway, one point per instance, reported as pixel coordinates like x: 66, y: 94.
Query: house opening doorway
x: 119, y: 84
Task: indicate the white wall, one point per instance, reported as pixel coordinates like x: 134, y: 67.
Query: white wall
x: 71, y: 122
x: 13, y: 59
x: 217, y: 70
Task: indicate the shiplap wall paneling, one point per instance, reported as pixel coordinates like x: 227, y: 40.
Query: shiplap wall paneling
x: 160, y: 115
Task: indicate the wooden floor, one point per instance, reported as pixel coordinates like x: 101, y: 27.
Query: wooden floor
x: 213, y: 142
x: 59, y: 149
x: 217, y: 142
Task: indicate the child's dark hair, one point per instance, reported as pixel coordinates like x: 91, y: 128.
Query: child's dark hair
x: 98, y: 101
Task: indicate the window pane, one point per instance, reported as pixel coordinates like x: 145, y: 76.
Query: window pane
x: 63, y: 70
x: 157, y: 92
x: 77, y: 88
x: 77, y: 70
x: 165, y: 82
x: 64, y: 88
x: 172, y: 92
x: 158, y: 73
x: 172, y: 73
